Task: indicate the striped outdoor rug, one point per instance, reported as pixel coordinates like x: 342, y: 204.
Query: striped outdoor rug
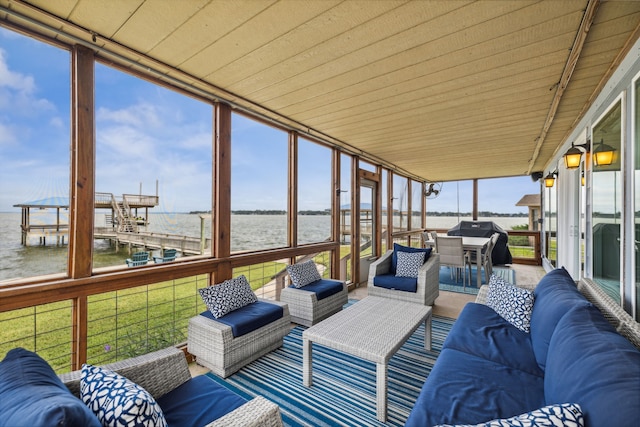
x: 343, y: 391
x: 449, y: 284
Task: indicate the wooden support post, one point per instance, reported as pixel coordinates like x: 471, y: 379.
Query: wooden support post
x: 221, y: 242
x: 81, y: 206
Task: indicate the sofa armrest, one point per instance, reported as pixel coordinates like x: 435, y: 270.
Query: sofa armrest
x: 380, y: 266
x: 158, y: 372
x: 257, y: 412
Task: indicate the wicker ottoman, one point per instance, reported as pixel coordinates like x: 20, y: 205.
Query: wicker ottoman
x: 215, y: 347
x: 305, y: 307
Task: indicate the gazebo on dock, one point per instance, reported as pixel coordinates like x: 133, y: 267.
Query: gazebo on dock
x: 59, y: 228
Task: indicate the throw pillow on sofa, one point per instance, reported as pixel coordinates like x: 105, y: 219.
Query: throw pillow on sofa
x: 230, y: 295
x: 118, y: 402
x: 512, y: 303
x: 303, y: 273
x: 31, y: 394
x: 561, y: 415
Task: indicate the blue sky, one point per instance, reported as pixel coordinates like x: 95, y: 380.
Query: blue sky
x: 147, y: 133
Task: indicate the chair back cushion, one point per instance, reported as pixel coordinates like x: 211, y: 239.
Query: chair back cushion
x: 555, y: 295
x: 31, y: 394
x: 400, y: 248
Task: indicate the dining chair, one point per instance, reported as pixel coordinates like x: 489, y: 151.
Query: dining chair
x: 429, y: 239
x: 486, y: 260
x: 453, y: 255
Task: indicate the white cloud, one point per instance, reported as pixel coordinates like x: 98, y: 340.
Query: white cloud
x: 13, y: 80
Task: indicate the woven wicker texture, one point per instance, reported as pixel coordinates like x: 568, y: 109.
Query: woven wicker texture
x: 158, y: 372
x: 258, y: 412
x: 372, y: 329
x: 305, y: 309
x: 428, y: 280
x: 612, y: 311
x: 163, y: 370
x: 216, y: 348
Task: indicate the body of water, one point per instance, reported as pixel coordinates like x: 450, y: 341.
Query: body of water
x: 248, y: 232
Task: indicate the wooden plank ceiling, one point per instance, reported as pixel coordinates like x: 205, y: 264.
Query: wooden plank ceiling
x: 444, y: 90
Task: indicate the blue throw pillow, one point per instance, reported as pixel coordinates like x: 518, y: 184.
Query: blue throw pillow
x: 562, y: 415
x: 31, y: 394
x: 229, y: 295
x: 400, y: 248
x: 118, y: 402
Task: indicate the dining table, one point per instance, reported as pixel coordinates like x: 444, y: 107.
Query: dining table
x: 471, y: 244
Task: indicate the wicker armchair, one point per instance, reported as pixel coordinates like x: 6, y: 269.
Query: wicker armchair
x: 428, y: 288
x: 216, y: 348
x: 164, y: 370
x: 305, y: 307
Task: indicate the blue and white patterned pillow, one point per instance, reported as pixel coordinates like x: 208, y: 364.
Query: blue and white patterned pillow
x: 303, y: 273
x: 117, y: 401
x: 409, y: 263
x: 559, y: 415
x: 512, y: 303
x: 229, y: 295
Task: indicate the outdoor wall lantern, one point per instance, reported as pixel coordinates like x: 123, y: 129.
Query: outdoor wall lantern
x: 603, y: 154
x: 573, y: 156
x: 550, y: 179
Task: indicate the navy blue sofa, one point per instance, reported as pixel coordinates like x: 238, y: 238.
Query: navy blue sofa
x: 489, y: 369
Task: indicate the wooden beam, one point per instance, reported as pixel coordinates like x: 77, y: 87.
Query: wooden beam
x: 83, y: 155
x: 572, y: 60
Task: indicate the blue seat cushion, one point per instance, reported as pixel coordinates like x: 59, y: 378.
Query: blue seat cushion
x: 390, y: 281
x: 466, y: 389
x: 323, y: 288
x: 589, y: 363
x: 249, y: 318
x: 400, y: 248
x: 480, y: 331
x: 198, y: 402
x: 31, y: 394
x: 554, y: 296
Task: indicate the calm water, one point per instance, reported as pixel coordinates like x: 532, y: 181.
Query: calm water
x: 248, y: 232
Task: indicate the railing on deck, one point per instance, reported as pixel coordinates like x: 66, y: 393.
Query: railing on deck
x: 115, y: 314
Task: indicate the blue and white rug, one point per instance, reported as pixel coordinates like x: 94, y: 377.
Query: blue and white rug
x: 344, y: 387
x: 448, y: 282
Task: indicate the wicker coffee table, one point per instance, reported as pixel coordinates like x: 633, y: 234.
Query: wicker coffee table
x: 372, y: 329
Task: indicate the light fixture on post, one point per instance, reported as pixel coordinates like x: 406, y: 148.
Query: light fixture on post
x: 573, y: 156
x: 550, y: 179
x: 603, y: 154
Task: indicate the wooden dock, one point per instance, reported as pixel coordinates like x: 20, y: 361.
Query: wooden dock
x: 150, y: 240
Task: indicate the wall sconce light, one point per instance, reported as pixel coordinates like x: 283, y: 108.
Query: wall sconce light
x: 573, y: 156
x: 550, y: 179
x: 603, y: 154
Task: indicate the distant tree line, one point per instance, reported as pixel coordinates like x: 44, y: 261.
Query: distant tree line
x: 481, y: 214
